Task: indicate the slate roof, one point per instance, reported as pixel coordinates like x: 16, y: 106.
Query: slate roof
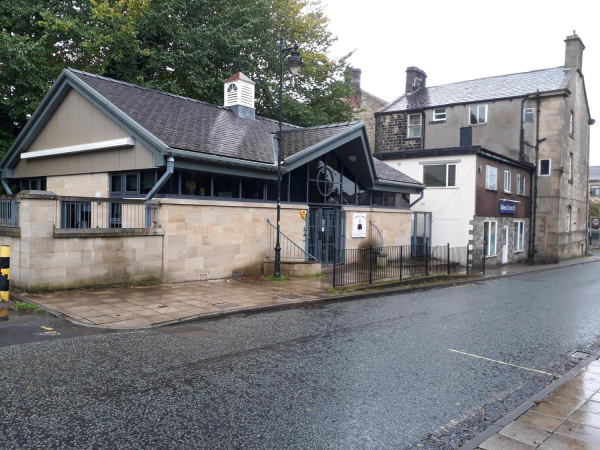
x: 187, y: 124
x: 504, y: 86
x: 594, y: 172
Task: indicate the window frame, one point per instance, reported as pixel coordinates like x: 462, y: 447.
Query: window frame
x: 447, y: 172
x: 596, y: 188
x: 519, y: 236
x: 570, y: 167
x: 521, y: 178
x: 569, y: 218
x: 540, y: 174
x: 486, y: 114
x: 124, y: 183
x: 572, y: 124
x: 488, y: 238
x: 409, y: 126
x: 435, y: 119
x: 487, y: 170
x: 527, y: 111
x: 509, y: 173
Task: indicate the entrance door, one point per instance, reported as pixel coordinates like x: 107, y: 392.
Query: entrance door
x: 325, y: 231
x: 505, y: 246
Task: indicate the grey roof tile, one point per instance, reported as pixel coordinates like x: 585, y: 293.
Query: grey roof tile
x: 503, y: 86
x: 297, y: 140
x: 385, y: 172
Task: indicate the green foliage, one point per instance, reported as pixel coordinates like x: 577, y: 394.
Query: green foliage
x: 27, y: 307
x: 594, y: 209
x: 181, y: 46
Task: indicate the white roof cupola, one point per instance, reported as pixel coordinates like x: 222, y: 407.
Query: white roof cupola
x: 239, y: 95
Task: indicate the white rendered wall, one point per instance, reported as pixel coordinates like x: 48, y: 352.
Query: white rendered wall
x: 451, y: 208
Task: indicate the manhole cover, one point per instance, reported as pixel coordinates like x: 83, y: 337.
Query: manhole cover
x: 291, y: 296
x: 579, y: 355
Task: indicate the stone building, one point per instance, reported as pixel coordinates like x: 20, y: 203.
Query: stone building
x: 120, y: 183
x: 540, y: 117
x: 594, y: 182
x: 365, y: 104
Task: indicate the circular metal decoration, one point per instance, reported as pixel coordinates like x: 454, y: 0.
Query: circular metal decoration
x: 325, y: 181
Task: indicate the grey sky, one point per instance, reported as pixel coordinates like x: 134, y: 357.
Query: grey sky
x: 463, y: 40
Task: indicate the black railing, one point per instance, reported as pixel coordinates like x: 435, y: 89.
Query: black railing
x: 289, y: 249
x: 85, y: 212
x: 9, y: 212
x: 370, y: 264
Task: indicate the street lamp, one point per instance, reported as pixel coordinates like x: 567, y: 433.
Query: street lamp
x: 295, y: 63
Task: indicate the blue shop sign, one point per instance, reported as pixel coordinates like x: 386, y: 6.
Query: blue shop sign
x: 508, y: 207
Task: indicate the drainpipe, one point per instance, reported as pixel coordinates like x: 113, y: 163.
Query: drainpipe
x: 160, y: 183
x: 535, y: 177
x: 5, y: 186
x: 521, y: 145
x: 418, y: 200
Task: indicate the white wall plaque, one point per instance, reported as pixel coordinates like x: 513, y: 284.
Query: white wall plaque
x: 359, y: 225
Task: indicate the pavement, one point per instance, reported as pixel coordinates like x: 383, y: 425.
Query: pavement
x: 421, y: 370
x: 148, y: 306
x: 568, y: 417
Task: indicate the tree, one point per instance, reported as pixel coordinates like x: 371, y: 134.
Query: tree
x: 181, y: 46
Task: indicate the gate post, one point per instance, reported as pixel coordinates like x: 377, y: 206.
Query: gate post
x: 400, y: 277
x: 334, y: 263
x: 448, y: 257
x: 371, y: 264
x: 426, y: 259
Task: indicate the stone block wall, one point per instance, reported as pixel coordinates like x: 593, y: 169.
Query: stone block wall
x: 391, y: 134
x: 366, y: 104
x: 395, y: 225
x: 86, y: 185
x: 477, y: 240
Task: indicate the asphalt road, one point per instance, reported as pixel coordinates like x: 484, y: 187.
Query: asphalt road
x: 377, y: 373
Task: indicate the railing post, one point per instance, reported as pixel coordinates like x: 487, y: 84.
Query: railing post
x: 484, y: 259
x: 371, y: 264
x: 334, y: 263
x: 427, y: 248
x: 400, y: 277
x: 448, y: 257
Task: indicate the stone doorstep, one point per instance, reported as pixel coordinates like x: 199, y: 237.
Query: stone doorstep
x: 560, y: 416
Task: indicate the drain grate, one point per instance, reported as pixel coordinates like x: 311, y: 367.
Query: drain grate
x: 578, y: 354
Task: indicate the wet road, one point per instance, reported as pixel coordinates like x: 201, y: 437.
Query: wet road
x: 377, y: 373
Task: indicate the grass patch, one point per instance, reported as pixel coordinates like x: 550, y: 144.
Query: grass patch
x: 278, y: 279
x: 27, y: 307
x: 316, y: 275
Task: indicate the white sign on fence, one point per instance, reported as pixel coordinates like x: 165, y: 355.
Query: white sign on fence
x: 359, y: 225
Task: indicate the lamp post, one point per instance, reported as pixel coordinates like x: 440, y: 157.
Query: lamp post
x: 295, y: 63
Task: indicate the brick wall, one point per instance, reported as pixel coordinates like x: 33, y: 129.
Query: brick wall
x: 477, y: 239
x: 392, y: 131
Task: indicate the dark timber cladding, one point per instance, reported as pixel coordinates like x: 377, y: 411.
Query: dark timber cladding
x: 487, y: 201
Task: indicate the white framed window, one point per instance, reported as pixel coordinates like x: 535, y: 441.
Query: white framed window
x: 507, y: 181
x: 478, y: 114
x: 569, y: 211
x: 415, y: 125
x: 439, y: 175
x: 439, y: 114
x: 595, y: 190
x: 571, y: 124
x: 528, y: 114
x: 519, y: 235
x: 545, y: 168
x: 570, y: 166
x: 520, y: 184
x: 491, y: 178
x: 489, y: 234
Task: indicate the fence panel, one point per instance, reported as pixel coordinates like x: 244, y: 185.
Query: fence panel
x: 81, y: 212
x: 9, y: 212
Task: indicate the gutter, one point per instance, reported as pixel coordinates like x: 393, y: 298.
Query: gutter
x: 221, y: 159
x: 418, y: 200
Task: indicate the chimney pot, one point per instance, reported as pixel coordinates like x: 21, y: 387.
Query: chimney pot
x: 355, y: 77
x: 415, y: 79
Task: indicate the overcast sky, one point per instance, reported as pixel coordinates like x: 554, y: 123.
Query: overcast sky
x: 462, y: 40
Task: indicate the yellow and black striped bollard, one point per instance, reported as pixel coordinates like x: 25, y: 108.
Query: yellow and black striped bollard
x: 4, y: 280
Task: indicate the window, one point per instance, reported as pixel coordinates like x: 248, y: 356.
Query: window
x: 519, y: 235
x: 253, y: 189
x: 32, y: 184
x: 477, y: 114
x: 507, y: 181
x: 414, y: 125
x: 147, y: 181
x: 390, y: 199
x: 76, y: 214
x: 528, y: 114
x: 595, y: 191
x: 439, y: 175
x: 116, y: 184
x: 116, y: 215
x: 195, y: 183
x: 520, y: 185
x: 489, y: 236
x: 545, y: 167
x: 439, y: 114
x: 569, y: 210
x: 571, y: 167
x: 491, y: 178
x: 226, y: 186
x: 131, y: 183
x: 571, y: 124
x: 285, y: 184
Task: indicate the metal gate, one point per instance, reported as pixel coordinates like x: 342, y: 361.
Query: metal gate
x: 421, y: 233
x: 326, y: 230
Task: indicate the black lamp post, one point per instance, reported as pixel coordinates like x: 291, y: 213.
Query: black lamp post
x: 295, y: 63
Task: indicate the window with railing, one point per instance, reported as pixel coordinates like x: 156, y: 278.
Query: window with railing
x: 81, y: 212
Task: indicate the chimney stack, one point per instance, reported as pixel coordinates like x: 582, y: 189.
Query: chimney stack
x: 415, y: 79
x: 574, y: 52
x: 239, y: 95
x: 355, y: 77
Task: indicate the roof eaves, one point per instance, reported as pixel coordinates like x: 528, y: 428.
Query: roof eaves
x: 220, y: 159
